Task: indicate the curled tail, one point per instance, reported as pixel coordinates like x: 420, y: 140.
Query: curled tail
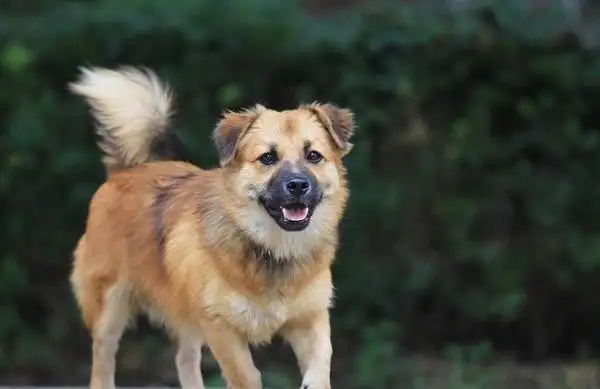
x: 132, y: 108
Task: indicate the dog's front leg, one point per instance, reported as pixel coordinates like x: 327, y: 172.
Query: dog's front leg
x: 232, y: 353
x: 310, y: 339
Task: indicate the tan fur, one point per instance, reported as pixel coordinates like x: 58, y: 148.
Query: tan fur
x: 173, y: 241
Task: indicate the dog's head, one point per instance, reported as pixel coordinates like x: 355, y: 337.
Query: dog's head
x: 286, y: 166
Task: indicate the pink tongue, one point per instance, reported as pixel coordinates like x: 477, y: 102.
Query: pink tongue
x: 295, y: 214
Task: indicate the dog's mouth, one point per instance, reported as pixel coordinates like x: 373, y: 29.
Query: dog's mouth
x: 290, y: 216
x: 295, y: 212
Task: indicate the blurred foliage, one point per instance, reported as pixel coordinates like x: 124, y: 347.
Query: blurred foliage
x: 474, y: 207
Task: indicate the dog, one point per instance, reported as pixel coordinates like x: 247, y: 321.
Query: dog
x: 224, y: 258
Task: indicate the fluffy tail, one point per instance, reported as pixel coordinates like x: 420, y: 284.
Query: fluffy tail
x: 132, y: 108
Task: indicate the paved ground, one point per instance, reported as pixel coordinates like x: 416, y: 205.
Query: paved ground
x: 85, y: 387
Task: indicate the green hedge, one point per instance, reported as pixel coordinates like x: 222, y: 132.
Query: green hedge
x: 475, y: 176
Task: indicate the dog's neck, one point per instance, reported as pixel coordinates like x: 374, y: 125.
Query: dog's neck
x: 265, y: 261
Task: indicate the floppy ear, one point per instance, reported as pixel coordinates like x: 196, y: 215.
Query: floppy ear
x: 231, y: 128
x: 339, y: 123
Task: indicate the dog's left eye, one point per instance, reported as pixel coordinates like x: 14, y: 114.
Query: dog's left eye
x: 314, y: 157
x: 269, y: 158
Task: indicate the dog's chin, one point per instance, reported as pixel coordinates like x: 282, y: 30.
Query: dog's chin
x: 293, y: 216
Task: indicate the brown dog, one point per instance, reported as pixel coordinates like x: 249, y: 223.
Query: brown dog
x: 222, y: 257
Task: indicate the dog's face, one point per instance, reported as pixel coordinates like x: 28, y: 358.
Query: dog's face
x: 287, y: 164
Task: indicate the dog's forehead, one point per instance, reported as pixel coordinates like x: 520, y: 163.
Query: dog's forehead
x: 293, y: 126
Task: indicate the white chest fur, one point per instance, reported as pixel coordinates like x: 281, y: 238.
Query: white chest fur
x: 260, y: 319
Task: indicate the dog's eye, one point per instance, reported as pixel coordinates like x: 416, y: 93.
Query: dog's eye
x: 269, y: 158
x: 314, y: 157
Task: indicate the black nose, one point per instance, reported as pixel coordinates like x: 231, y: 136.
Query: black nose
x: 297, y: 186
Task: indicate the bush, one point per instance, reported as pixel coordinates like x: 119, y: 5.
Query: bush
x: 474, y: 175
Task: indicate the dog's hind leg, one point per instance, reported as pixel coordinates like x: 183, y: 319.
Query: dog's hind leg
x: 106, y: 308
x: 106, y: 334
x: 187, y: 359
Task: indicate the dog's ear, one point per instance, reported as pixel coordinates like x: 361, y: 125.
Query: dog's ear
x: 339, y: 123
x: 231, y: 128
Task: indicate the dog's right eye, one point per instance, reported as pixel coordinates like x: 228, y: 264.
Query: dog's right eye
x: 269, y: 158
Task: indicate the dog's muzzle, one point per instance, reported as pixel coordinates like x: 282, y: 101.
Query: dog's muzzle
x: 291, y: 197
